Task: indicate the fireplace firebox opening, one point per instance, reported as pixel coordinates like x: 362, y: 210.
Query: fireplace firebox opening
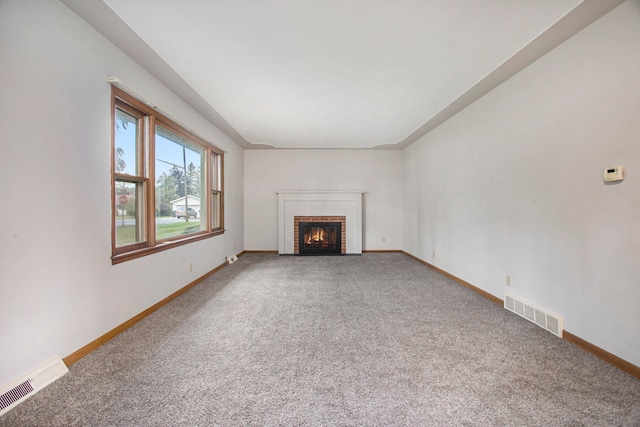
x: 319, y: 238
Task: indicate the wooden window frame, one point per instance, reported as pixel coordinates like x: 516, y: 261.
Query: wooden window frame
x: 148, y: 119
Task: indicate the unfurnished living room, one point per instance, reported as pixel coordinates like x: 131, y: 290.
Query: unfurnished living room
x: 320, y: 212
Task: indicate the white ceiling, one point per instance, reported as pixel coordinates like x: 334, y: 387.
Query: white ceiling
x: 335, y: 73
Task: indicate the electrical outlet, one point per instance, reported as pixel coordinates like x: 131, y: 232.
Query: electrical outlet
x: 509, y: 280
x: 190, y: 267
x: 433, y: 254
x: 384, y: 239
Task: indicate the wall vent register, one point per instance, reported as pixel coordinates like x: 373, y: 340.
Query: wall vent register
x: 535, y: 314
x: 20, y: 390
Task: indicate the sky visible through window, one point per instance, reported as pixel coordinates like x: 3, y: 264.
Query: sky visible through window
x: 169, y: 153
x: 166, y: 150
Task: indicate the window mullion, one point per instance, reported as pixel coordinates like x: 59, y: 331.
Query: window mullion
x: 220, y: 172
x: 151, y: 187
x: 206, y: 193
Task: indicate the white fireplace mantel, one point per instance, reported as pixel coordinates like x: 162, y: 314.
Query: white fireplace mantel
x: 320, y: 203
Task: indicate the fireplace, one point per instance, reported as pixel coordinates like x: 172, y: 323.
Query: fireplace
x: 319, y: 235
x: 319, y: 238
x: 320, y: 206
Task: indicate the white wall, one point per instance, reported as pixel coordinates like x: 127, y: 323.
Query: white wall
x: 59, y: 290
x: 513, y: 185
x: 377, y: 172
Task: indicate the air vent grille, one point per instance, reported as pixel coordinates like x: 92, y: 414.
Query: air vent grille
x: 15, y: 394
x: 535, y: 314
x: 20, y: 390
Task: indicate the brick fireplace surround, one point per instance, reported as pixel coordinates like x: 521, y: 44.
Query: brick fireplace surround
x: 296, y: 229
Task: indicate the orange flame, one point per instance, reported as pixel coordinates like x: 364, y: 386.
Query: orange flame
x: 317, y: 236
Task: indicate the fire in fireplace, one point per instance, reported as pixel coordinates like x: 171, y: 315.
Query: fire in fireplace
x: 320, y: 238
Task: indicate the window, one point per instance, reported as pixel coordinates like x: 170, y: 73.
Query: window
x: 167, y: 182
x: 179, y: 186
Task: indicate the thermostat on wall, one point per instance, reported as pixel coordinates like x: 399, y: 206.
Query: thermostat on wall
x: 615, y: 173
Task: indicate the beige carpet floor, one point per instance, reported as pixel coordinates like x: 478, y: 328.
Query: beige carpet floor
x: 372, y: 340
